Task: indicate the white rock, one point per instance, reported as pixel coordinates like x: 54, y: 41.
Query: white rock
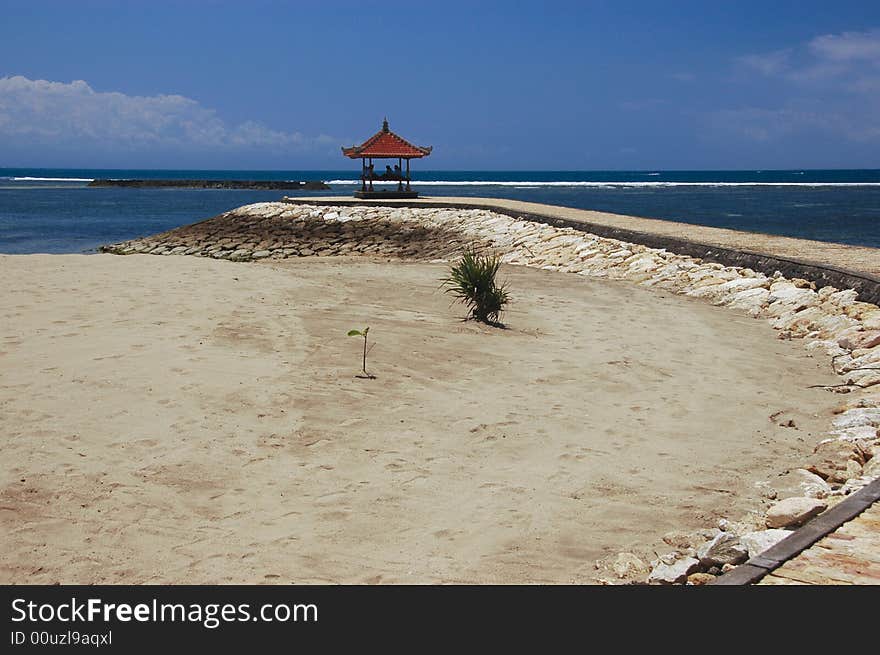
x: 723, y: 549
x: 751, y: 300
x: 843, y: 298
x: 675, y: 573
x: 872, y: 468
x: 709, y: 291
x: 744, y: 284
x: 794, y: 511
x: 804, y: 482
x: 859, y: 416
x: 824, y: 345
x: 866, y: 433
x: 832, y: 325
x: 627, y: 565
x: 783, y: 299
x: 760, y: 540
x: 855, y: 484
x: 869, y: 358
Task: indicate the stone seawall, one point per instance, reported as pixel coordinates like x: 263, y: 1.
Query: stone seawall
x: 821, y: 273
x: 829, y: 320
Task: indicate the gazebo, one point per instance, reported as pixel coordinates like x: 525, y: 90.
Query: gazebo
x: 385, y: 144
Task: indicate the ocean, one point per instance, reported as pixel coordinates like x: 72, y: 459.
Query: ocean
x: 54, y: 211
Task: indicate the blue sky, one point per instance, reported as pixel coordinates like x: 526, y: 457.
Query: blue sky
x: 491, y: 85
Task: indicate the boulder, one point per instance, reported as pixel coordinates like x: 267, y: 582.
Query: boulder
x: 709, y: 290
x: 685, y: 540
x: 832, y: 325
x: 627, y: 565
x: 843, y: 298
x: 675, y: 573
x: 700, y: 578
x: 741, y: 284
x: 801, y: 482
x: 794, y: 511
x: 871, y: 320
x: 860, y: 433
x: 836, y: 461
x: 854, y: 484
x: 723, y: 549
x: 802, y: 322
x: 785, y: 297
x: 866, y: 339
x: 760, y: 540
x: 867, y: 358
x: 750, y: 300
x: 826, y: 292
x: 872, y: 468
x: 860, y: 310
x: 867, y: 380
x: 856, y: 417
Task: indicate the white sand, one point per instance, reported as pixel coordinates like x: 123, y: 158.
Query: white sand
x: 185, y: 420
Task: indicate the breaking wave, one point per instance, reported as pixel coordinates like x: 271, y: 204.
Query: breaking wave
x: 614, y: 184
x: 51, y: 179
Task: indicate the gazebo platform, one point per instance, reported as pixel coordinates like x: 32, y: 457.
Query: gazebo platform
x: 385, y: 195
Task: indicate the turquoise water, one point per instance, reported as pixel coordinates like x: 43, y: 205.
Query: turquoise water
x: 52, y: 210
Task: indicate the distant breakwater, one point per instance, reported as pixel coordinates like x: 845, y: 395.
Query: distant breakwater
x: 256, y: 185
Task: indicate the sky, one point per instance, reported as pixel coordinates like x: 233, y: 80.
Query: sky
x: 618, y: 85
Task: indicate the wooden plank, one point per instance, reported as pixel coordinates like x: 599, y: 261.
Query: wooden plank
x: 841, y: 546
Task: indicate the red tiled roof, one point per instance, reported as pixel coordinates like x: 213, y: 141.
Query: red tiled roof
x: 386, y: 143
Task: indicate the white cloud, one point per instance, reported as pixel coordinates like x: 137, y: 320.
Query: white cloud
x: 826, y: 58
x: 848, y: 46
x: 763, y: 125
x: 829, y: 85
x: 75, y: 114
x: 768, y: 63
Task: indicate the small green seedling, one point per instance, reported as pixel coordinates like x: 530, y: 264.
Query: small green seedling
x: 363, y: 333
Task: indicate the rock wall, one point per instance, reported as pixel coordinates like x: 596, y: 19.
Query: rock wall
x: 828, y: 320
x: 867, y: 285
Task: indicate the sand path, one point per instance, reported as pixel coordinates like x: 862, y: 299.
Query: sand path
x: 186, y: 420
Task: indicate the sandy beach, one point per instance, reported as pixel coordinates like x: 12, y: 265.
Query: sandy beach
x: 191, y: 420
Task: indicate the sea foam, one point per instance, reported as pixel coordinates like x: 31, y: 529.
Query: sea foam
x: 614, y: 184
x: 52, y: 179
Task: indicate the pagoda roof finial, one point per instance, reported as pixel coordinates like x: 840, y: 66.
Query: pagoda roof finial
x: 385, y: 125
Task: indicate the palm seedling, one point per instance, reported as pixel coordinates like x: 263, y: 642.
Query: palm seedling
x: 363, y: 333
x: 472, y: 280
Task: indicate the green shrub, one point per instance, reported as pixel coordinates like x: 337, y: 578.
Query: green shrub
x: 472, y: 280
